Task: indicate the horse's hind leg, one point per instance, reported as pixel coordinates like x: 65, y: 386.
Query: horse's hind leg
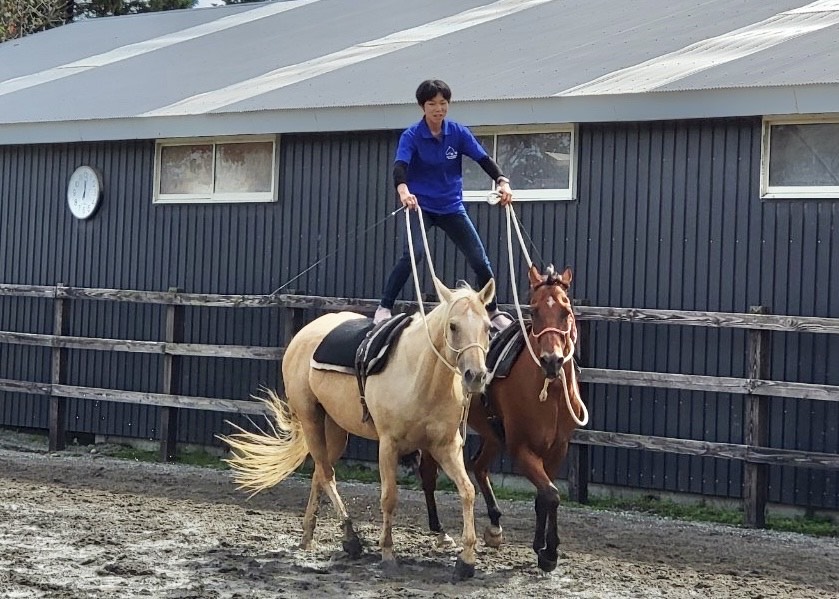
x: 336, y: 443
x: 314, y: 422
x: 450, y: 458
x: 489, y: 448
x: 428, y: 475
x: 310, y: 518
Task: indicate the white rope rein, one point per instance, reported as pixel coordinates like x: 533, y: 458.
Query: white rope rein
x: 512, y: 223
x: 464, y: 416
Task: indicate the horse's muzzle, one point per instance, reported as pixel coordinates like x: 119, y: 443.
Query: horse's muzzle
x: 474, y: 380
x: 551, y: 364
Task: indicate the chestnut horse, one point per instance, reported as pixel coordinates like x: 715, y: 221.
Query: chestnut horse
x: 417, y: 402
x: 538, y: 406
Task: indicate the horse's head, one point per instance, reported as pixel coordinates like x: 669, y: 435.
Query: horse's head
x: 554, y: 327
x: 466, y: 331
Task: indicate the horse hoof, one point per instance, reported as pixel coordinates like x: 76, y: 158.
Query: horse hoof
x: 546, y: 564
x: 462, y: 570
x: 390, y: 568
x: 493, y: 538
x: 352, y: 547
x: 444, y: 541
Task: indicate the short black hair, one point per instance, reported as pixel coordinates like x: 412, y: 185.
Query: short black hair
x: 429, y: 89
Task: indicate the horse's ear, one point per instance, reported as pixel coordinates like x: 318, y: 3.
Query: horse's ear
x: 566, y: 277
x: 534, y: 275
x: 487, y: 293
x: 444, y: 294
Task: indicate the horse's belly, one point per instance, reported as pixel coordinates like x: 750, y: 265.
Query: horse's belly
x: 338, y: 394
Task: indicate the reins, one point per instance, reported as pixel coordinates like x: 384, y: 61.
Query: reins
x: 464, y: 417
x: 512, y: 223
x: 456, y: 351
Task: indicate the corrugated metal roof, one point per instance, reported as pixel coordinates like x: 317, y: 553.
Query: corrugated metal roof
x: 314, y: 65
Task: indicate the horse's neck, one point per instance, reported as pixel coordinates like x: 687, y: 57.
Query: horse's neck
x: 422, y: 358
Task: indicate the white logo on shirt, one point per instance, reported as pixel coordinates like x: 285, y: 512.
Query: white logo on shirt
x: 451, y: 153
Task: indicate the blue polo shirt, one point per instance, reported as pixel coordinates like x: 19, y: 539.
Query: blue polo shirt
x: 435, y: 166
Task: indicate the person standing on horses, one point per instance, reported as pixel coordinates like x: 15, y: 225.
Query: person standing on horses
x: 428, y: 172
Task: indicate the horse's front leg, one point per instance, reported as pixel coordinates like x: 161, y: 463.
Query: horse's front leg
x: 547, y: 502
x: 428, y: 475
x: 388, y: 461
x: 450, y: 458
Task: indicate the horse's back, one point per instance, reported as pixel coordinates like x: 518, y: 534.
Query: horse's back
x: 298, y: 355
x: 309, y: 337
x: 335, y: 392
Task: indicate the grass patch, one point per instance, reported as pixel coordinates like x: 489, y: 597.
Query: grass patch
x: 193, y: 458
x: 808, y: 525
x: 701, y: 512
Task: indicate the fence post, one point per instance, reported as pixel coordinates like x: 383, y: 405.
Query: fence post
x: 756, y: 433
x: 293, y: 319
x: 58, y: 405
x: 170, y: 383
x: 578, y: 453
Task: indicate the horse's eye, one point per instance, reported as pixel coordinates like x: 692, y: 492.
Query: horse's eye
x: 452, y: 327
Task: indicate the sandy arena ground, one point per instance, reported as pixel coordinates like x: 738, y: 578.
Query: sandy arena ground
x: 80, y: 525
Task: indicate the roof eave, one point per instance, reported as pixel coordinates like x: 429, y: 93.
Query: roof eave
x: 648, y: 106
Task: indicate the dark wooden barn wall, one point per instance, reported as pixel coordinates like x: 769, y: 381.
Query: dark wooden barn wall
x: 668, y: 216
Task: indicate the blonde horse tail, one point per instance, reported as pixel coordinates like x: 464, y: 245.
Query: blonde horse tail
x: 261, y: 460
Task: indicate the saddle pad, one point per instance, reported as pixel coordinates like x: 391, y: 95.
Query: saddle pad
x: 372, y: 354
x: 504, y: 348
x: 341, y: 346
x: 337, y: 350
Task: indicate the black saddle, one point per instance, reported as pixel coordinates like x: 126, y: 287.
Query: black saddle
x: 337, y: 349
x: 504, y: 348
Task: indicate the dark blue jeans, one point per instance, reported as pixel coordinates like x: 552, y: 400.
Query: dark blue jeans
x: 457, y: 227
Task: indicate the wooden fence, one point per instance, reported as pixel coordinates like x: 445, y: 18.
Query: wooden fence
x: 757, y: 389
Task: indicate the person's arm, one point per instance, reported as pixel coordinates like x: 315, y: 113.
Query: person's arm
x: 400, y: 180
x: 502, y: 183
x: 404, y: 153
x: 472, y: 148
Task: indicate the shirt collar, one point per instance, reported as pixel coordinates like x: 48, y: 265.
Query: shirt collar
x: 426, y: 132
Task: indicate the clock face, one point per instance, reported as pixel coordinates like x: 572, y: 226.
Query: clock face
x: 84, y: 192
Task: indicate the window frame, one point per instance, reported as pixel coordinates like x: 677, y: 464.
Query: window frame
x: 769, y: 192
x: 212, y: 197
x: 530, y: 195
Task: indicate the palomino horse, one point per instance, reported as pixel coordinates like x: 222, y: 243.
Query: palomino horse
x: 538, y: 405
x: 416, y: 402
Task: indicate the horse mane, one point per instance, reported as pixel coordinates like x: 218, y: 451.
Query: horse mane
x: 552, y: 277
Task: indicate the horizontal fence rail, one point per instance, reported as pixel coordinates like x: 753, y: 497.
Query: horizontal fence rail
x: 755, y: 387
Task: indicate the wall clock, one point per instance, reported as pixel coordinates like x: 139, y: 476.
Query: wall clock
x: 84, y: 192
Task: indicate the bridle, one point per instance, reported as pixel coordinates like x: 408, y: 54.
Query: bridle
x: 567, y: 332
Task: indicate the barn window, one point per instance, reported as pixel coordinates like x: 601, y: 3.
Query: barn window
x: 800, y: 159
x: 539, y: 162
x: 225, y: 169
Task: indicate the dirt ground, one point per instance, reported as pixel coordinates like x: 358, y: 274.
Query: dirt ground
x: 83, y: 525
